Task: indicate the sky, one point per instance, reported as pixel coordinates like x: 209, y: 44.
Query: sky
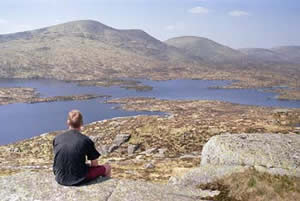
x: 235, y: 23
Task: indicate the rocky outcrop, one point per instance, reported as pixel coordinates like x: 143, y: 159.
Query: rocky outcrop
x: 266, y: 150
x: 132, y: 148
x: 30, y: 186
x: 226, y: 154
x: 118, y: 141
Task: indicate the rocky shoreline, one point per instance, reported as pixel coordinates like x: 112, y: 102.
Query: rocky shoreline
x: 126, y: 84
x: 16, y: 95
x: 288, y: 94
x: 29, y: 95
x: 65, y: 98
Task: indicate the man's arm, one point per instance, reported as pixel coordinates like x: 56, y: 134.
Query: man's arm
x: 92, y: 153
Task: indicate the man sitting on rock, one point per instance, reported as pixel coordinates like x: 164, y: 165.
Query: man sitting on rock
x: 70, y: 151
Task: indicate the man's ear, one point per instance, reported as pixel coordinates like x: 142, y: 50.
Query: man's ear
x: 68, y: 122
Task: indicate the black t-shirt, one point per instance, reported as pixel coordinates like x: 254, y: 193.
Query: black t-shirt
x: 70, y: 151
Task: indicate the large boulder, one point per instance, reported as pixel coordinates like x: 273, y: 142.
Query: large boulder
x: 226, y: 154
x: 42, y: 186
x: 266, y: 150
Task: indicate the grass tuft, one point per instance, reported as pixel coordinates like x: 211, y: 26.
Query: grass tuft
x: 251, y: 182
x: 252, y: 185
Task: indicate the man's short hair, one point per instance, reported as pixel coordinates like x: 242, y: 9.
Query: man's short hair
x: 75, y: 119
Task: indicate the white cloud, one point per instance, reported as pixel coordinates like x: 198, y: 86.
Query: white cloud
x: 199, y: 10
x: 3, y: 21
x: 238, y: 13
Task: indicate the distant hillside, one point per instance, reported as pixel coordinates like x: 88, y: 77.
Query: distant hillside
x: 87, y: 50
x: 292, y: 53
x: 261, y: 54
x: 213, y: 52
x: 205, y: 49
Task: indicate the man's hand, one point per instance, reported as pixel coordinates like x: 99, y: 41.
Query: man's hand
x: 94, y: 163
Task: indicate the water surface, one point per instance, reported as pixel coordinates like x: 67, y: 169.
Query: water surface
x: 21, y: 121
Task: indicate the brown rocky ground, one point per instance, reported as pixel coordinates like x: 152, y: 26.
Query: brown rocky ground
x: 167, y: 145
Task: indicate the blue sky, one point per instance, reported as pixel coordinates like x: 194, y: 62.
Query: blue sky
x: 236, y: 23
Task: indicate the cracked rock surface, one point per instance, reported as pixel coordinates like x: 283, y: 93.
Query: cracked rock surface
x: 23, y: 186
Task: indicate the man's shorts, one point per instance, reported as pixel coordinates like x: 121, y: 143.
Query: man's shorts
x: 95, y: 172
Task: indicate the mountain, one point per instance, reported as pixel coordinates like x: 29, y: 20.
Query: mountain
x: 87, y: 50
x: 205, y: 49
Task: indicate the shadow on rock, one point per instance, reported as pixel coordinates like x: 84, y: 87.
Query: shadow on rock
x: 95, y: 181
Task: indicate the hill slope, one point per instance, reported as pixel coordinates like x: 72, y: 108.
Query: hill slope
x: 86, y: 50
x: 261, y: 54
x: 205, y: 48
x: 292, y: 53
